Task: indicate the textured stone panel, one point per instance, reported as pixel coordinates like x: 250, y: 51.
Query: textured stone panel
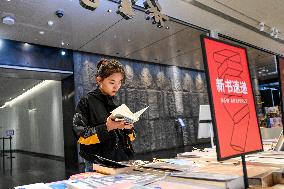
x: 187, y: 105
x: 161, y: 80
x: 193, y: 76
x: 187, y: 81
x: 174, y: 73
x: 194, y: 131
x: 153, y: 104
x: 189, y: 137
x: 178, y: 102
x: 131, y: 98
x: 206, y: 98
x: 201, y: 98
x: 170, y: 104
x: 199, y: 82
x: 137, y: 68
x: 195, y: 104
x: 146, y: 77
x: 130, y: 80
x: 153, y: 70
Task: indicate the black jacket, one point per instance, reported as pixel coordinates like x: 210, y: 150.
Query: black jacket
x: 89, y: 124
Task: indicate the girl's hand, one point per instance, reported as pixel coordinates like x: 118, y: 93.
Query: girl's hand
x: 128, y: 125
x: 111, y: 125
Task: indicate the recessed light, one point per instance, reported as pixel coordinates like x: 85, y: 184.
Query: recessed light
x: 10, y: 98
x: 8, y: 0
x: 50, y: 23
x: 41, y: 32
x: 128, y: 40
x: 167, y: 27
x: 8, y: 20
x: 62, y: 43
x: 67, y: 44
x: 24, y: 89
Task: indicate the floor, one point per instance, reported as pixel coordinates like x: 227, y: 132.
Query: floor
x: 28, y: 169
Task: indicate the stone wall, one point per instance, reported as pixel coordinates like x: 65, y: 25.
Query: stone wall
x: 171, y: 93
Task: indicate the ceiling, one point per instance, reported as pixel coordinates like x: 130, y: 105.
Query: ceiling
x: 105, y: 32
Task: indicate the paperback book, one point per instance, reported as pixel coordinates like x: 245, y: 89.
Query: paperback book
x: 123, y: 113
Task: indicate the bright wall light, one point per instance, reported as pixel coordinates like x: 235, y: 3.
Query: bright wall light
x: 1, y: 43
x: 28, y: 93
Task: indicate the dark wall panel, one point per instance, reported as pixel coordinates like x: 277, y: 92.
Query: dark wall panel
x: 170, y: 91
x: 14, y: 53
x: 70, y: 143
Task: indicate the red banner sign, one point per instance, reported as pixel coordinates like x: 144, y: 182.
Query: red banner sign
x: 233, y: 113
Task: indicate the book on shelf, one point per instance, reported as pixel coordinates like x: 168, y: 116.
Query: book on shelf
x: 123, y: 113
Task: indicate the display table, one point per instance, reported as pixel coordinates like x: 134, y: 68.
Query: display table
x: 196, y: 169
x: 270, y: 133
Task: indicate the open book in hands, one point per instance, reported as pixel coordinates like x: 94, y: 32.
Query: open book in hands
x: 123, y: 113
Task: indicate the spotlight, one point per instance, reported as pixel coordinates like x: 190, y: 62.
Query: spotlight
x: 261, y: 26
x: 272, y: 33
x: 276, y: 33
x: 50, y: 23
x: 9, y: 20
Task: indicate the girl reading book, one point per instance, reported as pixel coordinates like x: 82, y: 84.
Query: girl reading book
x: 100, y: 136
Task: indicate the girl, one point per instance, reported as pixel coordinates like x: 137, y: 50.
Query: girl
x: 98, y: 135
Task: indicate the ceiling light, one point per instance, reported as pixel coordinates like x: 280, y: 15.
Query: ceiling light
x: 41, y: 32
x: 261, y: 26
x: 62, y: 43
x: 276, y: 33
x: 1, y: 43
x: 8, y: 0
x: 8, y: 20
x: 28, y: 93
x: 50, y: 23
x: 272, y: 33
